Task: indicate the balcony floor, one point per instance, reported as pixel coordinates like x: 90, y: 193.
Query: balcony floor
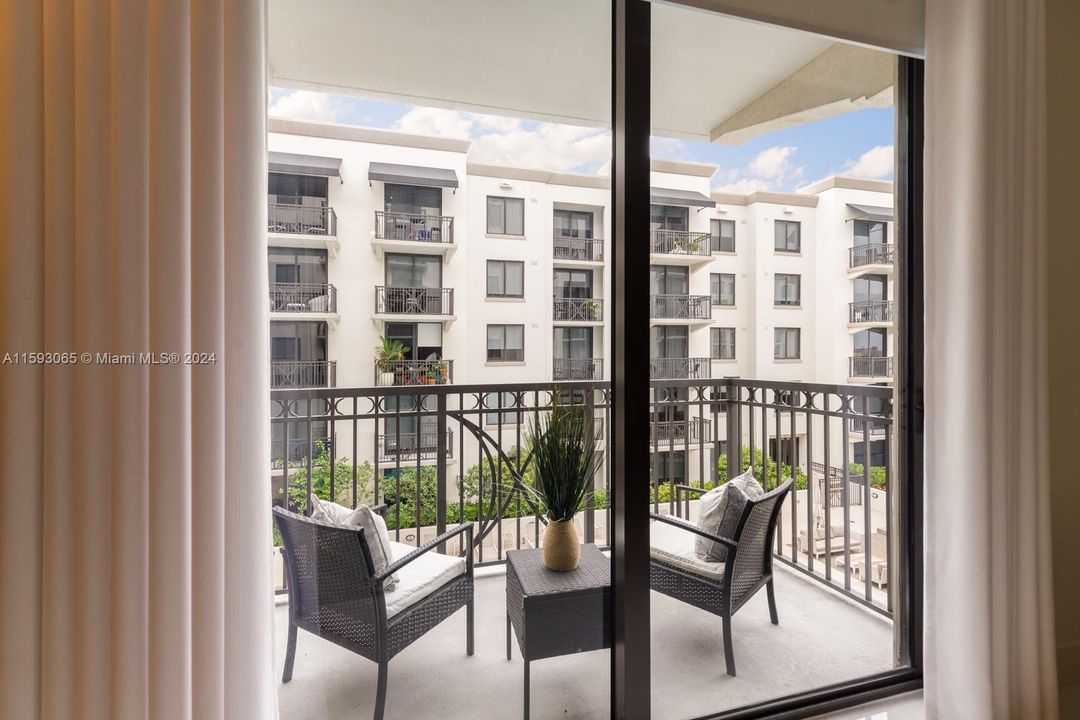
x: 822, y: 639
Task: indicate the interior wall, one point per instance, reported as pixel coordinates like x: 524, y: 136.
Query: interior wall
x: 1063, y: 161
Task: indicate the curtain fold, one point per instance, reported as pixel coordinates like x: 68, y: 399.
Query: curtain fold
x: 134, y: 552
x: 989, y: 641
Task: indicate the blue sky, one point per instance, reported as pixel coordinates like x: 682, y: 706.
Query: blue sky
x: 858, y: 143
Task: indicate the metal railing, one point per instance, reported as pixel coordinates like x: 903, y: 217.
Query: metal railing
x: 414, y: 301
x: 839, y: 533
x: 303, y: 297
x: 412, y: 227
x: 690, y: 307
x: 303, y: 373
x: 871, y: 311
x: 679, y: 242
x: 570, y: 369
x: 578, y: 309
x: 870, y: 367
x: 872, y: 254
x: 414, y: 372
x: 578, y: 248
x: 301, y: 219
x: 679, y: 368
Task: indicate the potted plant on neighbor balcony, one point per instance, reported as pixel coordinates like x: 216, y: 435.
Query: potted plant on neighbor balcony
x: 564, y: 461
x: 442, y: 375
x: 387, y: 353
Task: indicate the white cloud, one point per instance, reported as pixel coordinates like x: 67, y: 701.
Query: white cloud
x: 877, y: 162
x: 436, y: 121
x: 304, y: 105
x: 665, y: 147
x: 772, y: 163
x: 744, y: 186
x: 771, y: 169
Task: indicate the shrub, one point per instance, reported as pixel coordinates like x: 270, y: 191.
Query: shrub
x: 770, y: 481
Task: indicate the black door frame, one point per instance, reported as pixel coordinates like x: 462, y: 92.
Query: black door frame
x: 630, y: 657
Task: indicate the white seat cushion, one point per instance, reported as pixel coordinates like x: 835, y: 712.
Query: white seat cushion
x: 421, y: 577
x: 675, y: 546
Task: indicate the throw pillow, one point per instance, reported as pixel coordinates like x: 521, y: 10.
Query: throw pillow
x: 378, y: 540
x: 721, y: 508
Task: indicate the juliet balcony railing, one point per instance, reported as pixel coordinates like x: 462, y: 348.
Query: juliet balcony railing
x: 870, y: 311
x: 679, y: 242
x: 303, y: 373
x: 870, y: 367
x: 414, y: 301
x: 414, y: 372
x: 301, y: 219
x: 414, y: 228
x: 872, y: 254
x: 303, y: 297
x: 578, y: 309
x: 566, y: 247
x: 680, y: 368
x: 677, y: 307
x: 577, y: 369
x: 825, y: 526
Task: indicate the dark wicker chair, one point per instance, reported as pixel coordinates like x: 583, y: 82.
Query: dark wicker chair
x: 335, y: 593
x: 747, y: 569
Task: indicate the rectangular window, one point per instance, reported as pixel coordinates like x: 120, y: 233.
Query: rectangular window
x: 669, y: 280
x: 723, y: 235
x: 568, y: 284
x: 413, y: 271
x: 723, y: 343
x: 506, y: 343
x: 289, y: 189
x: 871, y: 343
x: 871, y: 232
x: 788, y: 290
x: 497, y: 401
x: 670, y: 341
x: 722, y: 288
x: 669, y: 217
x: 573, y: 223
x: 505, y: 278
x: 505, y: 215
x: 871, y: 288
x: 412, y: 200
x: 878, y: 454
x: 787, y: 236
x: 786, y: 343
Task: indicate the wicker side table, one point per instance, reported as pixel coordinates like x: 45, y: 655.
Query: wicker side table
x: 557, y: 613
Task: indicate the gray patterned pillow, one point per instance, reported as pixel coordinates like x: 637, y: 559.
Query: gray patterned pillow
x: 721, y: 509
x: 375, y: 533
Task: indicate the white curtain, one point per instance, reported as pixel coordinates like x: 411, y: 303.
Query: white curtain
x: 989, y: 639
x: 134, y: 531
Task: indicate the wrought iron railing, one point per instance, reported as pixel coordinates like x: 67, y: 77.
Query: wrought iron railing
x: 871, y: 311
x: 578, y: 248
x: 679, y: 368
x: 303, y: 297
x: 570, y: 369
x: 394, y: 446
x: 303, y: 373
x: 578, y: 309
x: 679, y: 431
x: 872, y: 254
x: 676, y: 307
x: 413, y: 372
x: 870, y: 367
x: 301, y: 219
x: 679, y: 242
x: 414, y: 301
x: 411, y: 227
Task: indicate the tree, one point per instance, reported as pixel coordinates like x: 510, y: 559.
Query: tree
x: 320, y: 481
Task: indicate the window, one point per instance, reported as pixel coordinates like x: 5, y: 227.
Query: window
x: 670, y: 341
x: 723, y: 343
x: 506, y: 343
x: 723, y: 235
x: 871, y: 232
x: 413, y: 200
x: 297, y: 265
x: 500, y: 400
x: 413, y: 271
x: 505, y: 216
x: 573, y: 223
x: 298, y: 189
x: 669, y: 217
x: 723, y: 288
x: 878, y: 455
x: 669, y: 280
x: 786, y: 343
x: 576, y: 284
x: 505, y: 278
x: 788, y: 289
x: 787, y: 236
x: 871, y: 343
x: 668, y: 466
x: 573, y: 343
x: 871, y: 288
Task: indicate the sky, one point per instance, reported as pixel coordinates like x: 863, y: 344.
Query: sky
x: 857, y: 144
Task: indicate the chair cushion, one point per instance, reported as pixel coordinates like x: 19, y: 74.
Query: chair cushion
x: 675, y: 546
x: 421, y: 577
x: 720, y: 510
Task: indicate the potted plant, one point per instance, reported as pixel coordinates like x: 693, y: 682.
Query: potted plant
x: 387, y: 353
x: 592, y: 307
x: 564, y: 463
x: 430, y: 376
x: 442, y: 370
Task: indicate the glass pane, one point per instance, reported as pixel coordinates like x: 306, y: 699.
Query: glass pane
x: 495, y: 216
x: 515, y: 216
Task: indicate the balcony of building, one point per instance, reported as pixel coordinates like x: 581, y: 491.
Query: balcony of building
x: 870, y: 369
x: 679, y: 247
x: 413, y: 372
x: 396, y: 448
x: 577, y: 311
x: 577, y: 369
x: 680, y: 309
x: 286, y: 374
x: 680, y: 368
x: 413, y: 233
x: 414, y: 304
x: 870, y: 313
x: 667, y: 434
x: 577, y: 251
x: 312, y: 225
x: 870, y: 258
x: 303, y: 301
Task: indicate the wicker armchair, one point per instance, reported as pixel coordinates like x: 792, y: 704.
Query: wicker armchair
x: 335, y: 593
x: 719, y: 588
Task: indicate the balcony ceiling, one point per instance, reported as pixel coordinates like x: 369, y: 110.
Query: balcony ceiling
x: 714, y: 78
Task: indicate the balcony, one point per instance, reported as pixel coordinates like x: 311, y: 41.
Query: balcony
x: 870, y: 312
x: 414, y: 372
x: 409, y: 447
x: 416, y: 304
x: 679, y: 368
x: 577, y: 251
x: 302, y: 226
x: 577, y: 311
x: 679, y: 247
x: 580, y: 369
x: 667, y: 433
x: 870, y: 368
x: 303, y: 374
x: 316, y: 301
x: 874, y: 257
x: 408, y: 232
x: 695, y: 309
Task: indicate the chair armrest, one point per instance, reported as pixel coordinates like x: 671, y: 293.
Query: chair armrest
x: 691, y: 489
x: 690, y: 527
x: 466, y: 528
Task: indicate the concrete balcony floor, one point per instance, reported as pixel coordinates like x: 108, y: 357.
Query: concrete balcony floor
x: 823, y: 638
